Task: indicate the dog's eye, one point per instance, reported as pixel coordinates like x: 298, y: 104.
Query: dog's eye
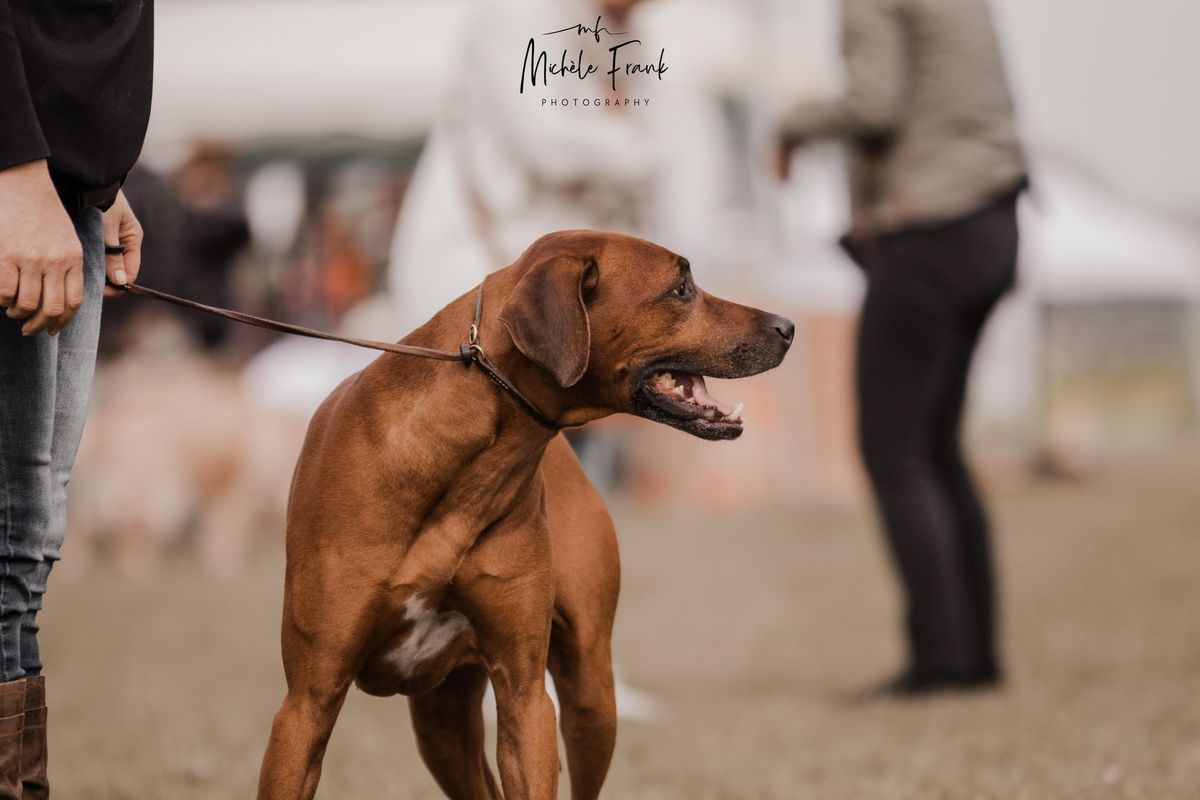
x: 683, y: 290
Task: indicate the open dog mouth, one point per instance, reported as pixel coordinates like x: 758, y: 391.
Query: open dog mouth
x: 681, y: 399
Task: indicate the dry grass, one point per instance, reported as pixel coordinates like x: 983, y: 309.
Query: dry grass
x: 751, y: 629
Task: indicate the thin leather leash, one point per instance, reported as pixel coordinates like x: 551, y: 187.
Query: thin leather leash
x: 470, y: 353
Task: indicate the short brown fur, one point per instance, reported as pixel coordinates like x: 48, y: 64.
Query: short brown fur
x: 421, y: 487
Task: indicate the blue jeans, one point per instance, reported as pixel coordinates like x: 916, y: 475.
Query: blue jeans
x: 44, y: 387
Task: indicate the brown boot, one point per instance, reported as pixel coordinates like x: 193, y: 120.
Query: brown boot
x: 34, y: 785
x: 12, y: 722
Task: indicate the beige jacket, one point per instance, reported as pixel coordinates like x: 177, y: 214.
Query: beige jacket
x: 926, y: 111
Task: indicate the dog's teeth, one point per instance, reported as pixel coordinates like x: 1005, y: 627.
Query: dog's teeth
x: 737, y: 411
x: 679, y: 391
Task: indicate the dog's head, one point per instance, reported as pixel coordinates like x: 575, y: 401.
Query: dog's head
x: 620, y: 325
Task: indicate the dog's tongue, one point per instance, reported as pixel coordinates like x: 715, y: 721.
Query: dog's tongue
x: 700, y: 392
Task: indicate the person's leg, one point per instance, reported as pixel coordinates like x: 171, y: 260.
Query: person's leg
x: 12, y: 725
x: 39, y: 436
x: 29, y: 377
x: 970, y: 516
x: 75, y: 364
x: 28, y: 373
x: 986, y: 249
x: 905, y: 359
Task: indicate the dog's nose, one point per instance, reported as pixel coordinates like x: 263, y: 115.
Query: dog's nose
x: 784, y: 327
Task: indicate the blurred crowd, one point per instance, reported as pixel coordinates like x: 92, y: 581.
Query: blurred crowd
x: 184, y: 451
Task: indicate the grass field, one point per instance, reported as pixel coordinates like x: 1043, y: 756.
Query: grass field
x: 752, y: 630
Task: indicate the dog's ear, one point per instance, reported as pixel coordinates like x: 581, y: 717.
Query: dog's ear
x: 547, y: 318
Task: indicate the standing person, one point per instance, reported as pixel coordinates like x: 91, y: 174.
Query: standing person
x: 213, y: 233
x: 75, y: 94
x: 935, y: 176
x: 499, y: 169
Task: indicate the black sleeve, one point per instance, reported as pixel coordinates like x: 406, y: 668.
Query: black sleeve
x: 21, y: 137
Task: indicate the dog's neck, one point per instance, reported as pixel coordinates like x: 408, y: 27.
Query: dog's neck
x: 449, y: 329
x: 464, y: 398
x: 488, y: 448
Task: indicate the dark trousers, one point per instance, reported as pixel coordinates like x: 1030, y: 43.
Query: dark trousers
x: 929, y: 293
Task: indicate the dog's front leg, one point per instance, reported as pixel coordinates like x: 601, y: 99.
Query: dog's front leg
x: 512, y: 607
x: 527, y: 744
x: 322, y: 640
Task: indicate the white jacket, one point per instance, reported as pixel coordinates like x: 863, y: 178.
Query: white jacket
x: 500, y: 168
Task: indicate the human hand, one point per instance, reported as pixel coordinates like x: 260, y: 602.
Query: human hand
x: 121, y: 227
x: 41, y: 259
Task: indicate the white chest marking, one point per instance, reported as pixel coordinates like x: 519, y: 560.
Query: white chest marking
x: 433, y: 631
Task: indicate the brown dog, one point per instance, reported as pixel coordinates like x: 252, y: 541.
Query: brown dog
x: 438, y: 536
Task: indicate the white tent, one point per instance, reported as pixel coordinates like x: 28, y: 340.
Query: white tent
x: 1081, y: 244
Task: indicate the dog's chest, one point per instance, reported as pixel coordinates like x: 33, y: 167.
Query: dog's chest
x: 433, y: 633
